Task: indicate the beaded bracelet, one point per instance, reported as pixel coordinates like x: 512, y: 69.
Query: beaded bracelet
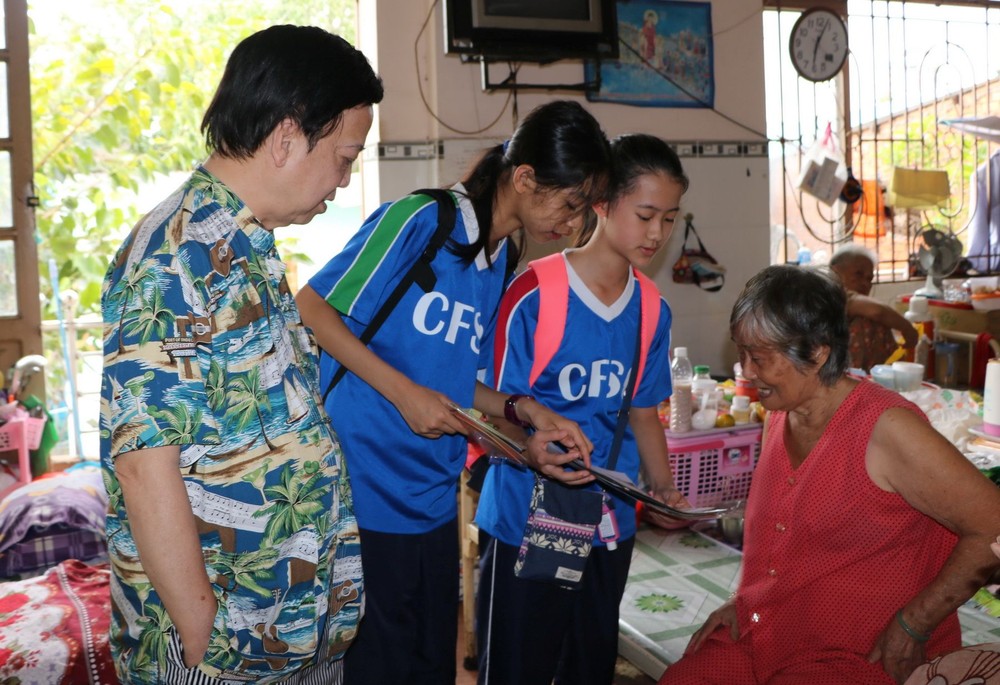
x: 510, y: 410
x: 919, y: 637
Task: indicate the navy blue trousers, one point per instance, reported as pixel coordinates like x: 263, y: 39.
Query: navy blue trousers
x: 410, y: 626
x: 529, y: 632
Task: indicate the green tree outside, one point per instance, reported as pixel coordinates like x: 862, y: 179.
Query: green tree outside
x: 118, y: 90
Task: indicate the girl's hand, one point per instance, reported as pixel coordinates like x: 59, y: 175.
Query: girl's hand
x: 995, y: 546
x: 670, y: 496
x: 427, y: 412
x: 544, y: 419
x: 541, y: 455
x: 725, y: 615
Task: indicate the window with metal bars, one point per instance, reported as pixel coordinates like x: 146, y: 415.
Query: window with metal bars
x: 902, y: 118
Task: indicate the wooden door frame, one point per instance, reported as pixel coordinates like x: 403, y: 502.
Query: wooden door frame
x: 20, y: 334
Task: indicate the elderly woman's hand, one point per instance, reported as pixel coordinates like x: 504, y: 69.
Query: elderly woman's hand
x: 897, y: 651
x: 725, y: 615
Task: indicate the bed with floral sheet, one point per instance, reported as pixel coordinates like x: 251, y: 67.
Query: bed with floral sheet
x: 55, y: 595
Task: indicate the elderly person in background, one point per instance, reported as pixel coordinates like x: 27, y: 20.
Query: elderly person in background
x: 871, y: 323
x: 865, y: 528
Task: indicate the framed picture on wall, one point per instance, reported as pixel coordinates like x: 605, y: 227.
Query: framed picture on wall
x: 665, y: 56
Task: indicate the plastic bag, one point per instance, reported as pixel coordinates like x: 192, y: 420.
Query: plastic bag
x: 824, y: 173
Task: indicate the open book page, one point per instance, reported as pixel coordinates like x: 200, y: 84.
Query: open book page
x: 619, y: 484
x: 488, y: 437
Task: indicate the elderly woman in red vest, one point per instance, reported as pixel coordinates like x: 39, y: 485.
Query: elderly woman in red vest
x: 865, y: 528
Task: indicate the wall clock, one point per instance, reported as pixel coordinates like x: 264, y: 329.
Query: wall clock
x: 818, y: 44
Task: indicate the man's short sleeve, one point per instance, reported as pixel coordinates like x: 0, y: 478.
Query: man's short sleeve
x: 158, y: 366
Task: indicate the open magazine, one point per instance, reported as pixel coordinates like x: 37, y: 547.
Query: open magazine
x: 496, y: 444
x: 488, y: 437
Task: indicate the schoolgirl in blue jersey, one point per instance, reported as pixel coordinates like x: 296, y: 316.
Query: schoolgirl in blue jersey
x: 531, y: 631
x: 403, y: 446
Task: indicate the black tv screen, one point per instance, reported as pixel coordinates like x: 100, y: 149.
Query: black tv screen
x: 532, y: 30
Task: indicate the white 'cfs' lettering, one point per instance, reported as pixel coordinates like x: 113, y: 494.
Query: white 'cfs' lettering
x: 605, y: 378
x: 434, y: 313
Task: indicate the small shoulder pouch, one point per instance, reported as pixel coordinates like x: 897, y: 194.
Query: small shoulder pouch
x: 559, y: 533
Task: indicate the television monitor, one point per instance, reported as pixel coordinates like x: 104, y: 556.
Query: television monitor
x: 532, y: 30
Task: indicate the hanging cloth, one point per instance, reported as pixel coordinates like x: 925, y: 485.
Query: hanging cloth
x: 984, y: 217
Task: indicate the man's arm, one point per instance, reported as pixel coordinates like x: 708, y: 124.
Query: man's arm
x: 166, y: 536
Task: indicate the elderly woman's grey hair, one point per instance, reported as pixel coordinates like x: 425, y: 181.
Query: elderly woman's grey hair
x: 851, y: 251
x: 796, y: 311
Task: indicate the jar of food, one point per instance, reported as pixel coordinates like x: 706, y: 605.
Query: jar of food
x: 741, y: 409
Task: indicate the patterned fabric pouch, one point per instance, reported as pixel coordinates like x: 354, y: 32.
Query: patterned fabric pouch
x: 559, y: 533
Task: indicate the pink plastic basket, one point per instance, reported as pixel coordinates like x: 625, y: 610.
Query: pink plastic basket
x: 714, y: 466
x: 10, y: 433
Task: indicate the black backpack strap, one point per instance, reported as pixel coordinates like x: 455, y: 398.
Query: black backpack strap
x: 420, y: 272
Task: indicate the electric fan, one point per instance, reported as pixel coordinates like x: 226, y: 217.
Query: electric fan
x: 938, y: 253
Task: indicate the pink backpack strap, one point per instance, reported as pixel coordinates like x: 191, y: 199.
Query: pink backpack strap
x: 553, y: 303
x: 650, y: 297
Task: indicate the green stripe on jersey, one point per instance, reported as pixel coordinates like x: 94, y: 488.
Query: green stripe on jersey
x: 390, y: 226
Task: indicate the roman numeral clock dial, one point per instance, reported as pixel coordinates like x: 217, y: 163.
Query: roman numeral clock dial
x: 818, y: 44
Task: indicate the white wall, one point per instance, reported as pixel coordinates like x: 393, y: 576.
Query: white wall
x: 728, y: 195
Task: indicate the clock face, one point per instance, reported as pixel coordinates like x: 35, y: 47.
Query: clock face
x: 818, y: 44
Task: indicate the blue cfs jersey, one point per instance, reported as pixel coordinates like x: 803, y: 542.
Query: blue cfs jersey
x: 405, y: 483
x: 584, y: 381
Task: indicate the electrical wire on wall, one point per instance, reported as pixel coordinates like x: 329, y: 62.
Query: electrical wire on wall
x: 511, y: 95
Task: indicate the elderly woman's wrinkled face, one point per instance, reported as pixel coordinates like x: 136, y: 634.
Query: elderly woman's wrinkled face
x: 779, y: 382
x: 856, y: 274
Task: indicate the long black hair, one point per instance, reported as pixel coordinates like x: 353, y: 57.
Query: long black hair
x: 564, y: 145
x: 302, y: 73
x: 634, y: 155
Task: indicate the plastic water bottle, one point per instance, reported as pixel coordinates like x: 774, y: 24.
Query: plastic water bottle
x: 804, y: 256
x: 681, y: 374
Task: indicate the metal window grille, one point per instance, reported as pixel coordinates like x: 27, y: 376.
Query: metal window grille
x: 912, y: 68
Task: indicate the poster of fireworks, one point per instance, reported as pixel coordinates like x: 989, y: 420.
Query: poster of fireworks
x: 665, y: 56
